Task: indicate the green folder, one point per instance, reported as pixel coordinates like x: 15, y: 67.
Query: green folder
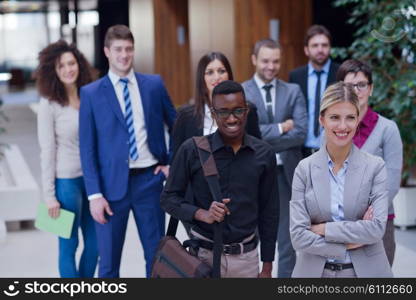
x: 61, y: 226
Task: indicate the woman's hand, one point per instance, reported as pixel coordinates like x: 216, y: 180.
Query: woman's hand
x: 353, y: 246
x: 53, y: 208
x: 369, y: 214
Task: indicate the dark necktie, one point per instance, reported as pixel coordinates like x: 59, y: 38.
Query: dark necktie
x: 316, y: 127
x: 129, y: 120
x: 269, y: 103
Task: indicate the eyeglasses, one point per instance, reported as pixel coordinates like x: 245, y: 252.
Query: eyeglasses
x: 225, y: 113
x: 361, y: 86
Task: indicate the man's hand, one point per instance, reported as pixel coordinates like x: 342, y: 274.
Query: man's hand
x: 164, y: 169
x: 53, y: 208
x: 318, y: 229
x: 98, y: 207
x: 369, y: 214
x: 215, y: 213
x: 266, y: 271
x: 287, y: 125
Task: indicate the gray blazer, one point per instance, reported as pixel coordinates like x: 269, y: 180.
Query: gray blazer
x: 385, y: 142
x: 290, y: 104
x: 365, y: 184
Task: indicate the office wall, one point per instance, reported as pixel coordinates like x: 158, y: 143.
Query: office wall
x: 229, y: 26
x: 211, y: 25
x: 172, y: 47
x: 252, y: 22
x: 142, y: 26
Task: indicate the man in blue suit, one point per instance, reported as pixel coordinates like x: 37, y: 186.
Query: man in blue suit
x: 124, y: 153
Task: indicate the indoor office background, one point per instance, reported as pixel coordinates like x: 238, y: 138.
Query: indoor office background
x: 170, y: 37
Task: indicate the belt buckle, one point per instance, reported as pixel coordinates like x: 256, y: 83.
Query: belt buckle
x: 231, y: 249
x: 226, y: 249
x: 337, y: 267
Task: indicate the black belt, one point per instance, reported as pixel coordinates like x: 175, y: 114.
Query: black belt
x: 137, y: 171
x: 231, y: 249
x: 338, y: 267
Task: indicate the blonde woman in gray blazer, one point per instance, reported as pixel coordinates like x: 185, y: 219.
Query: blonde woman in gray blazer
x: 339, y: 204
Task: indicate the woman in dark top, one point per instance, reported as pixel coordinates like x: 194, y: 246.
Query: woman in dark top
x: 196, y: 120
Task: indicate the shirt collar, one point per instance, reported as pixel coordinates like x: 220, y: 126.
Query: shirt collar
x: 325, y: 67
x: 369, y: 118
x: 218, y: 143
x: 260, y: 83
x: 116, y: 79
x: 344, y: 165
x: 207, y: 110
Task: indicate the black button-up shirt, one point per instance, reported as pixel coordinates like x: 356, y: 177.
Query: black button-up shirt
x: 248, y: 178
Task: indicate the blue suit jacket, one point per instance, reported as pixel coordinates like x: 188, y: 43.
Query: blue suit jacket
x: 104, y: 138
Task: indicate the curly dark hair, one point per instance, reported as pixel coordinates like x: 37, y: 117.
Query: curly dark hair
x: 201, y: 90
x: 47, y: 81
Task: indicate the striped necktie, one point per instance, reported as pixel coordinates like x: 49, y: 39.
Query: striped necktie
x: 129, y: 120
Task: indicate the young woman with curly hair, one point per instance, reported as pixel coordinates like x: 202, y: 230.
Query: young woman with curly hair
x: 62, y: 71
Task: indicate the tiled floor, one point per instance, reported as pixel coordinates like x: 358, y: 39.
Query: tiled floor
x: 31, y: 253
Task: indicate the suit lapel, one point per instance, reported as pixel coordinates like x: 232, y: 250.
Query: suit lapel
x: 331, y: 74
x: 353, y: 180
x: 304, y: 84
x: 320, y: 183
x: 111, y: 97
x: 198, y: 130
x: 258, y: 100
x: 145, y: 97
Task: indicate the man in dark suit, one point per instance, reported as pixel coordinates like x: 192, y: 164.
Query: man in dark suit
x: 313, y: 79
x: 124, y: 155
x: 283, y: 120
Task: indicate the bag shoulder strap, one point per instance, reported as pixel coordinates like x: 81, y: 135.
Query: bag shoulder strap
x: 212, y: 177
x: 206, y: 158
x: 209, y: 168
x: 172, y: 227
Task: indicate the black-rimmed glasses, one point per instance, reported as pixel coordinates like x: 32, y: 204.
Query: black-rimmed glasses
x: 225, y: 113
x: 361, y: 86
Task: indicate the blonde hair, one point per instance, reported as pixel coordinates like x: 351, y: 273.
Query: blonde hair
x: 337, y: 93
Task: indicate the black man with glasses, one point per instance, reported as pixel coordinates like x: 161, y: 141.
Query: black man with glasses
x: 282, y: 116
x: 247, y: 175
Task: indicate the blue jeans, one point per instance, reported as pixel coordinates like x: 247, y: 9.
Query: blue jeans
x: 72, y: 196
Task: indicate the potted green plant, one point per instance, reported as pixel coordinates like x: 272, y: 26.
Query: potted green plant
x: 385, y: 38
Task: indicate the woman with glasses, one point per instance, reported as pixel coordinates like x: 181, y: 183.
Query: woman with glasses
x: 61, y: 72
x: 338, y: 209
x: 376, y: 135
x: 196, y: 119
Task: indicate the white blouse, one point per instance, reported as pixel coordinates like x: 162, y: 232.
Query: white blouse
x: 210, y: 125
